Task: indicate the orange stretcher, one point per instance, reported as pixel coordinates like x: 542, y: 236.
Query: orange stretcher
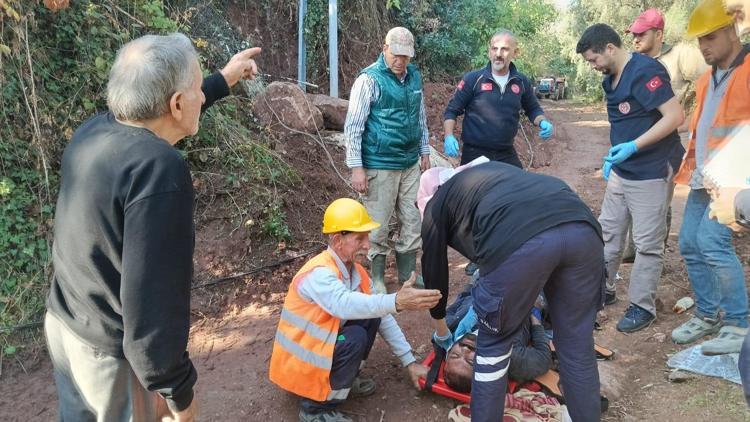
x: 549, y: 382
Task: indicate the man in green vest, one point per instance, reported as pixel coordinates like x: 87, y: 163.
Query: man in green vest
x: 386, y: 147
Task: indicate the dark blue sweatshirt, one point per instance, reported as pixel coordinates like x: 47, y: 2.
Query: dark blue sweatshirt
x: 490, y: 114
x: 123, y: 249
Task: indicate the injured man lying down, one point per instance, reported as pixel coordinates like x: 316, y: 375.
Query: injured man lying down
x: 531, y: 355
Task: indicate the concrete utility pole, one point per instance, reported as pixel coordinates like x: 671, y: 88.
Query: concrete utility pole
x: 333, y: 48
x: 301, y: 50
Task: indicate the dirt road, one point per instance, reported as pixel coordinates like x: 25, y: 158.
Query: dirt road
x: 232, y: 350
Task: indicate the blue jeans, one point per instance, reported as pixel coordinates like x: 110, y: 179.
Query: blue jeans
x: 713, y: 267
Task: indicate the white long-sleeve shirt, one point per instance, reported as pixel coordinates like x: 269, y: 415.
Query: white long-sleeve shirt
x: 345, y: 300
x: 365, y: 91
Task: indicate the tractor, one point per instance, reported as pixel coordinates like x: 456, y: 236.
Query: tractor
x: 551, y: 88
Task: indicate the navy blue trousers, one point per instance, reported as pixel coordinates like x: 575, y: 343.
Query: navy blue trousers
x: 353, y: 345
x: 508, y: 155
x: 567, y: 263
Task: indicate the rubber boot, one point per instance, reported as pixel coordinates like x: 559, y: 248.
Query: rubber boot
x: 406, y: 263
x: 377, y: 273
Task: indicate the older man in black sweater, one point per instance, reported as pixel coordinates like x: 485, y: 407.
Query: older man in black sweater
x: 528, y: 232
x: 119, y: 305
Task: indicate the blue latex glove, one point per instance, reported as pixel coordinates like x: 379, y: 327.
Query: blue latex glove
x: 606, y: 169
x: 621, y: 152
x: 467, y: 323
x: 547, y: 129
x: 450, y: 146
x: 537, y: 313
x: 444, y: 343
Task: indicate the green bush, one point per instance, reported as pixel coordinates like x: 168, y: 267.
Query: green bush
x: 53, y: 73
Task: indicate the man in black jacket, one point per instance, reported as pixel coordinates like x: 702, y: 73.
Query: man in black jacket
x: 119, y: 306
x: 527, y: 232
x: 490, y: 100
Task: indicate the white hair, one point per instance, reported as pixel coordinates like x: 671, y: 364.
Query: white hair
x: 147, y: 72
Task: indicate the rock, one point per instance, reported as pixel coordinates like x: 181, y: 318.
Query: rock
x: 337, y: 138
x: 683, y: 304
x: 333, y: 110
x: 659, y: 337
x: 284, y: 104
x: 611, y: 377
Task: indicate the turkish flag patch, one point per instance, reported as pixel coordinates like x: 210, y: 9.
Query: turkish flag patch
x: 654, y: 83
x: 487, y: 86
x: 461, y: 84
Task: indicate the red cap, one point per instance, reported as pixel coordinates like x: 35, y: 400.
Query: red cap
x: 650, y: 19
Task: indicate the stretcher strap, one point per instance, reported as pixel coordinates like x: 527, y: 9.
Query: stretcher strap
x: 432, y: 374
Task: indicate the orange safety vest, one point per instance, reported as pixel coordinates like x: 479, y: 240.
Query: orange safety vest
x: 303, y: 348
x: 733, y: 114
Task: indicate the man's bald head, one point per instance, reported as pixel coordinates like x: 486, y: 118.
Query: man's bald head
x: 502, y: 50
x: 504, y: 33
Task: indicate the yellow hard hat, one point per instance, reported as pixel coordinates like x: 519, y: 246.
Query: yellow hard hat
x: 347, y: 215
x: 707, y: 17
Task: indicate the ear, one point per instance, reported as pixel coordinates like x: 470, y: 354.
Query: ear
x: 175, y: 105
x: 334, y: 240
x: 385, y: 48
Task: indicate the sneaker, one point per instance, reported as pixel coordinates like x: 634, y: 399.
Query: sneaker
x: 330, y: 416
x: 694, y: 329
x: 462, y: 413
x: 610, y: 298
x: 635, y: 318
x: 362, y: 387
x: 469, y: 269
x: 729, y: 341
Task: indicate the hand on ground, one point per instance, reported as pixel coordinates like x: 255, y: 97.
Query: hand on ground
x: 416, y: 371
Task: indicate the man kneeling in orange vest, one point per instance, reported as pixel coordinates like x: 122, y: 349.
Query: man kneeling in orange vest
x: 330, y: 318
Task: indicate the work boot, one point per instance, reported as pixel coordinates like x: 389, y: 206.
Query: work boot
x: 362, y: 387
x: 377, y: 273
x: 635, y: 318
x: 729, y: 341
x: 330, y: 416
x: 406, y: 263
x: 694, y: 329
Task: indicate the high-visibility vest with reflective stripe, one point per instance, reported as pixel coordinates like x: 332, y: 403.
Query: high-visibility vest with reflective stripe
x: 303, y: 347
x: 732, y: 116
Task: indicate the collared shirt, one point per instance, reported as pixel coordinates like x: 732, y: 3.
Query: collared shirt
x: 633, y: 109
x: 717, y: 87
x: 344, y: 299
x: 364, y: 93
